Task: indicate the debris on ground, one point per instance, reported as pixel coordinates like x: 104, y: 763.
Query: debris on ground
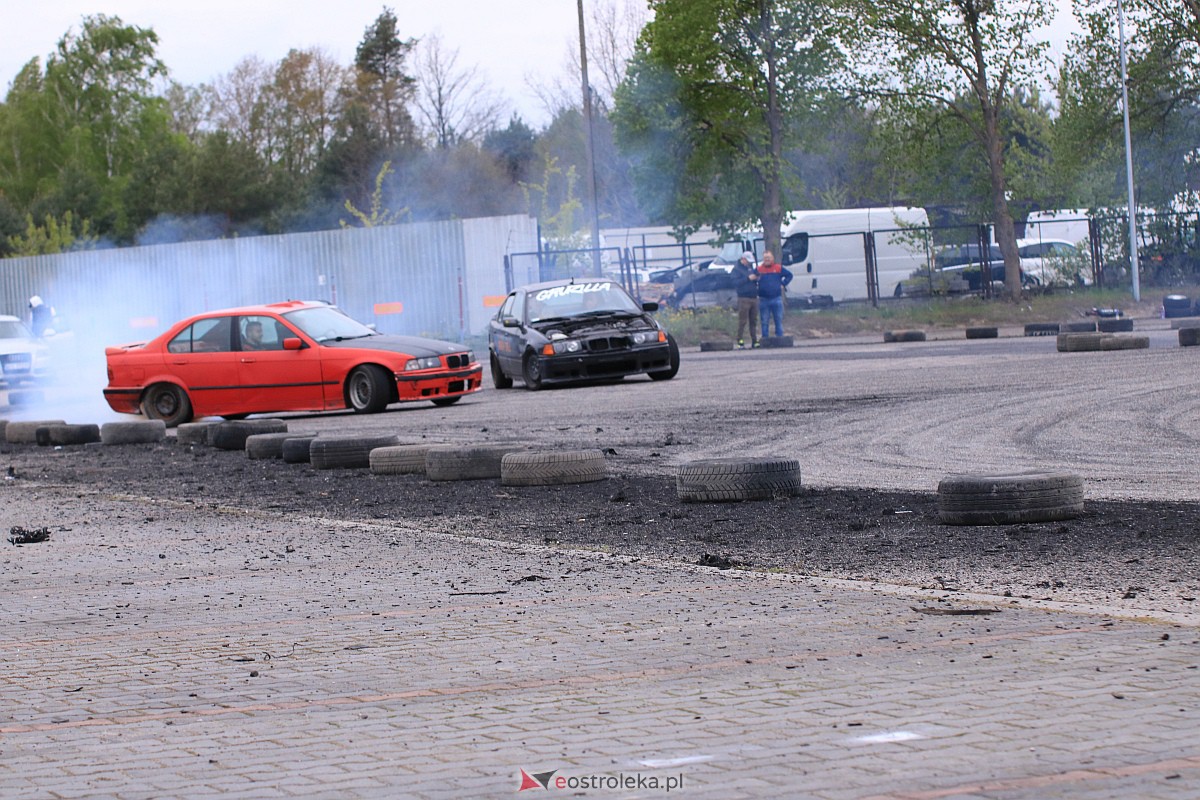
x: 19, y: 535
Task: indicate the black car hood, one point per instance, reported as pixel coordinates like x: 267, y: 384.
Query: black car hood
x: 580, y: 325
x: 416, y: 346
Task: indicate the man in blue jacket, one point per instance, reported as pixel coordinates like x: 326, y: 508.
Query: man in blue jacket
x: 772, y: 279
x: 745, y: 283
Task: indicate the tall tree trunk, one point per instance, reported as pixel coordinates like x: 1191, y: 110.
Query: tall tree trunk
x: 1006, y: 236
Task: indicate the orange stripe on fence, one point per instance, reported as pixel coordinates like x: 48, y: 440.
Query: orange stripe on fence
x: 389, y: 308
x: 493, y: 300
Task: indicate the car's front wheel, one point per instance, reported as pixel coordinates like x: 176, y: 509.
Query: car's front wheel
x: 531, y: 371
x: 167, y: 402
x: 673, y: 369
x: 367, y: 389
x: 499, y: 379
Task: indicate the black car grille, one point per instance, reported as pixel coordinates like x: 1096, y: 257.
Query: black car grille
x: 458, y: 360
x: 605, y: 344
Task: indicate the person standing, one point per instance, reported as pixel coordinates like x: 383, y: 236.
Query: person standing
x: 773, y: 278
x: 41, y: 316
x: 745, y: 283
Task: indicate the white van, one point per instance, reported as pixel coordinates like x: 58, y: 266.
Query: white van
x: 826, y: 250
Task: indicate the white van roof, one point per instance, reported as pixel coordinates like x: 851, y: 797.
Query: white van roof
x: 848, y: 220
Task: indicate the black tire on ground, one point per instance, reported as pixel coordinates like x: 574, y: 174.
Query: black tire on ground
x: 904, y: 336
x: 672, y: 361
x: 983, y: 332
x: 716, y: 346
x: 732, y: 479
x: 401, y: 459
x: 442, y: 402
x: 140, y: 432
x: 297, y: 449
x: 73, y: 434
x: 167, y: 402
x: 25, y: 431
x: 531, y: 371
x: 3, y: 430
x: 1042, y: 329
x: 232, y: 435
x: 1177, y: 305
x: 1009, y: 499
x: 368, y: 389
x: 499, y: 379
x: 1114, y: 325
x: 1189, y: 337
x: 347, y: 452
x: 776, y: 341
x: 194, y: 432
x: 1079, y: 342
x: 550, y: 468
x: 1125, y: 343
x: 1078, y: 326
x: 467, y: 462
x: 267, y: 445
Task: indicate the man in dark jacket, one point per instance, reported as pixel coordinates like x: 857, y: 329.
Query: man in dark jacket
x: 772, y: 279
x: 745, y: 283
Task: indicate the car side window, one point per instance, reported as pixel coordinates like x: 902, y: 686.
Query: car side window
x: 506, y: 308
x: 203, y: 336
x: 261, y: 333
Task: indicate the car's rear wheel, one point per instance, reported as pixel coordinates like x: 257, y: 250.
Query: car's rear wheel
x: 367, y: 390
x: 673, y: 369
x: 531, y: 370
x: 167, y: 402
x: 499, y: 379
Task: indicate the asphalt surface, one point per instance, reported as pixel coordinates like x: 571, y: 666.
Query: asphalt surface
x: 202, y: 625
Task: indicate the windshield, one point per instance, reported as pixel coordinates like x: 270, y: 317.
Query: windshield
x: 327, y: 323
x: 579, y: 299
x: 12, y: 329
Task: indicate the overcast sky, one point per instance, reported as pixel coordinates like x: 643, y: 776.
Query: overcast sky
x: 511, y: 41
x: 507, y: 39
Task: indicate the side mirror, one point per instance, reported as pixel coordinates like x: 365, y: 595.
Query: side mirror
x: 510, y: 322
x: 650, y: 306
x: 293, y: 343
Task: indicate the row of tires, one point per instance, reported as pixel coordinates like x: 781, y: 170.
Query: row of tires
x: 962, y: 499
x: 57, y: 432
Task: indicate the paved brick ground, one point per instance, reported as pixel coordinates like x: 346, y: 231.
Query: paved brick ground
x: 174, y: 649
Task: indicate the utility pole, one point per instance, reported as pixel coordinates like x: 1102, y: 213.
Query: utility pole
x: 590, y: 142
x: 1133, y: 248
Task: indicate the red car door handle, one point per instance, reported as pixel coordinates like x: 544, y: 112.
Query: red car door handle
x: 248, y: 360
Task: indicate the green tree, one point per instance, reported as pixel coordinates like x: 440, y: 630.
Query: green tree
x: 51, y: 236
x: 1163, y: 47
x: 964, y: 57
x: 383, y: 84
x: 705, y: 107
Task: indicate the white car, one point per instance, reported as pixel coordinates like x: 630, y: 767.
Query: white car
x: 23, y: 357
x: 1053, y: 261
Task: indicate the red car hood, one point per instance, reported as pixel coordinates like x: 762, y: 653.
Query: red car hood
x: 415, y: 346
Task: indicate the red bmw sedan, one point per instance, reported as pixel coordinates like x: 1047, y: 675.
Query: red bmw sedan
x: 293, y: 356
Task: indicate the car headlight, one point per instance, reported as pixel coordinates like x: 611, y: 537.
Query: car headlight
x: 430, y: 362
x: 567, y: 346
x: 645, y: 337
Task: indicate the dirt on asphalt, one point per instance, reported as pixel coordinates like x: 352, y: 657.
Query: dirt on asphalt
x: 1127, y: 555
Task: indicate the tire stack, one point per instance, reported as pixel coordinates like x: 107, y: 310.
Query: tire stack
x: 552, y: 467
x: 467, y: 462
x: 903, y: 336
x: 347, y: 452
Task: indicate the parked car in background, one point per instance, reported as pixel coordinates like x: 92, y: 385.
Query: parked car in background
x: 1051, y: 262
x: 577, y: 330
x: 23, y: 357
x: 293, y: 356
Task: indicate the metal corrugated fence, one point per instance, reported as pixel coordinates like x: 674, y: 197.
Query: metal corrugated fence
x: 437, y: 278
